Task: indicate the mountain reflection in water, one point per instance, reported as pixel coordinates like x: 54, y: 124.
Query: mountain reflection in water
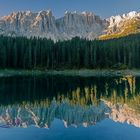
x: 38, y: 101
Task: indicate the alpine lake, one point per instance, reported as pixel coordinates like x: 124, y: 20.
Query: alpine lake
x: 58, y: 107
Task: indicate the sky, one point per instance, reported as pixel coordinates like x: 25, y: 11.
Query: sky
x: 103, y: 8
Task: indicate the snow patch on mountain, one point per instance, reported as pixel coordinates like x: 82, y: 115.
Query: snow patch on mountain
x: 44, y: 24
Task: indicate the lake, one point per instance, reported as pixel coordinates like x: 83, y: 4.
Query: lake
x: 69, y: 108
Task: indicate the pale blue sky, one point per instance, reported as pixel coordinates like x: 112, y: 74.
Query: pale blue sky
x: 104, y: 8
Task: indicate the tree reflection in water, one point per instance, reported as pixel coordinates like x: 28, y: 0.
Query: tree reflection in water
x: 76, y: 101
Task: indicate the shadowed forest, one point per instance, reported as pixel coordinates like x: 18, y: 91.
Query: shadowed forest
x: 37, y: 53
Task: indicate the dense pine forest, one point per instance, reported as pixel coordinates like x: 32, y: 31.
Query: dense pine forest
x: 37, y: 53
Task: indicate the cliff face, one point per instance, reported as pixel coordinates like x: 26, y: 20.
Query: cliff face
x: 43, y: 24
x: 29, y: 24
x: 122, y: 25
x: 85, y: 25
x: 72, y: 24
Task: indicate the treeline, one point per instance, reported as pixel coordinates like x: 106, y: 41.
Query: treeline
x: 35, y: 53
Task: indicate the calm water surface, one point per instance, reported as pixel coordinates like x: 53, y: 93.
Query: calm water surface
x: 69, y: 108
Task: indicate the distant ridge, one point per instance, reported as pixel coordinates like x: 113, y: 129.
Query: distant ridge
x: 84, y: 25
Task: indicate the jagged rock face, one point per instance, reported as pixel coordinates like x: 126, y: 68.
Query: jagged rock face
x: 122, y: 24
x: 84, y: 25
x: 116, y: 20
x: 43, y: 24
x: 29, y: 24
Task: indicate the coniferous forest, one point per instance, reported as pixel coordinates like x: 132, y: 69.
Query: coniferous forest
x: 37, y: 53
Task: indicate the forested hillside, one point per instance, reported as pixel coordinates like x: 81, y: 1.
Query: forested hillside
x: 37, y: 53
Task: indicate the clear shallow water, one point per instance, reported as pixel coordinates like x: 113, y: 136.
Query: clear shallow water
x: 62, y: 108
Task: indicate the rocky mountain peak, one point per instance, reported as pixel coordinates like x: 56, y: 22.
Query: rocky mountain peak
x: 120, y: 18
x: 43, y: 24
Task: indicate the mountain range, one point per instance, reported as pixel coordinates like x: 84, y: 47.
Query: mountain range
x: 84, y: 25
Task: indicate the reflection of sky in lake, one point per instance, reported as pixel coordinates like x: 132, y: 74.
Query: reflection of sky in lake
x: 105, y: 130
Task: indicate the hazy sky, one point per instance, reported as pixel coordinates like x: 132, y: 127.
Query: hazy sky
x: 104, y: 8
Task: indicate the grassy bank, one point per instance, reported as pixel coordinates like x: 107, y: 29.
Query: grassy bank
x: 89, y: 73
x: 84, y: 73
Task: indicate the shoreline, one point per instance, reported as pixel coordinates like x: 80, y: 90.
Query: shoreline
x: 94, y: 73
x: 81, y: 73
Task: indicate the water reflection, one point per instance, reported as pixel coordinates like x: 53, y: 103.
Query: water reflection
x: 42, y: 115
x: 37, y: 101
